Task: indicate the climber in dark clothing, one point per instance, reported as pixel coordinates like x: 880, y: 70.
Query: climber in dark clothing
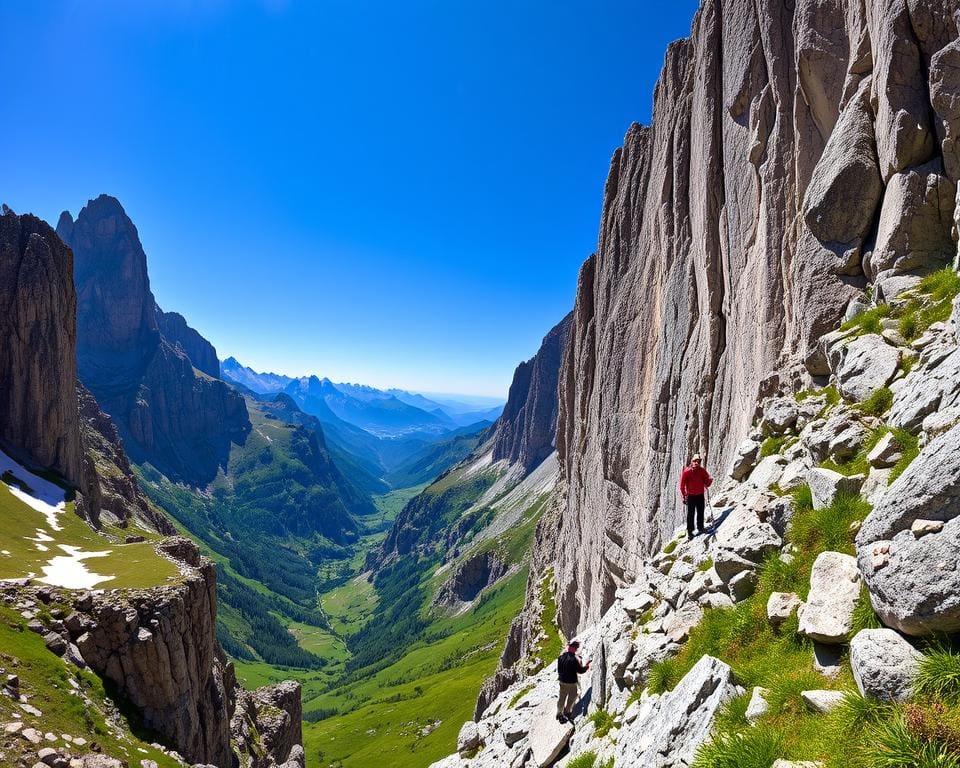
x: 568, y: 668
x: 694, y: 481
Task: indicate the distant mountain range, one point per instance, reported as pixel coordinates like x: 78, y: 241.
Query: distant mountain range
x: 390, y: 414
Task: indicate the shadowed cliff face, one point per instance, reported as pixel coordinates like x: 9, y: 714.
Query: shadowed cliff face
x: 525, y: 432
x: 797, y: 150
x: 180, y: 421
x: 38, y: 403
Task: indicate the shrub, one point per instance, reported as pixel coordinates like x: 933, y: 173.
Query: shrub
x: 664, y: 675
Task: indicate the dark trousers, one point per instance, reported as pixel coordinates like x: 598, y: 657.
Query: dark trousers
x: 694, y: 504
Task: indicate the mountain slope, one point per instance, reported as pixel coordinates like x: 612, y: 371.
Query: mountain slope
x: 180, y: 420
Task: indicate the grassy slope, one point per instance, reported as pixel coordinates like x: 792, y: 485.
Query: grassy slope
x: 131, y: 565
x: 46, y: 679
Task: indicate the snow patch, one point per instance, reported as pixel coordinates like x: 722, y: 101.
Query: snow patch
x: 41, y: 539
x: 69, y: 570
x: 45, y: 497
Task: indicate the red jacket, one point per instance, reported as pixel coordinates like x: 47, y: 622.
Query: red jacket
x: 694, y: 481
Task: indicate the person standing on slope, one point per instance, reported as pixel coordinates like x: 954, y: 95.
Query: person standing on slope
x: 568, y: 668
x: 694, y: 481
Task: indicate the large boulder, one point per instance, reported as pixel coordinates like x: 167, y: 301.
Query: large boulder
x: 745, y: 459
x: 469, y: 737
x: 868, y: 363
x: 670, y: 728
x: 743, y: 532
x: 838, y: 437
x: 548, y: 736
x: 826, y: 486
x: 834, y: 590
x: 779, y: 415
x: 914, y: 582
x: 933, y: 387
x: 884, y: 664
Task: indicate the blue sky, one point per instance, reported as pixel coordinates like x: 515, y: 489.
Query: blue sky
x: 394, y: 193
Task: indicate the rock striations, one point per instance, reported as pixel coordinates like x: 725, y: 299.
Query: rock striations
x: 181, y: 421
x: 39, y: 421
x: 797, y: 151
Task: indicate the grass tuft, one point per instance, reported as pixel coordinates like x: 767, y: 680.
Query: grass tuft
x: 603, y: 722
x: 938, y: 675
x: 772, y: 446
x: 878, y: 403
x: 755, y: 748
x: 910, y: 446
x: 586, y: 760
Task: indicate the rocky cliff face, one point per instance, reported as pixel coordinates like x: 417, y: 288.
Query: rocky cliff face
x: 39, y: 421
x: 797, y: 151
x: 525, y: 432
x: 167, y: 414
x: 173, y: 327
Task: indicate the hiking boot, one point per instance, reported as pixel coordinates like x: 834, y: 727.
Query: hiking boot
x: 561, y: 719
x: 567, y: 717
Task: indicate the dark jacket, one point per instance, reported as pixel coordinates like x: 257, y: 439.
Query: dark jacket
x: 568, y: 667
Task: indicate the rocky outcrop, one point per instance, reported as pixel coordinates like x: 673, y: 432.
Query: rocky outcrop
x: 469, y: 579
x: 158, y: 648
x: 203, y: 355
x: 110, y: 487
x: 39, y: 422
x: 181, y: 422
x: 796, y: 151
x: 913, y: 576
x: 526, y: 429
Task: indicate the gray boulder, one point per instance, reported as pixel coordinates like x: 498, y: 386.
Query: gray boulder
x: 867, y: 364
x: 469, y: 737
x: 743, y: 532
x: 826, y: 485
x: 839, y: 437
x: 548, y: 737
x: 834, y: 591
x: 822, y: 701
x: 745, y: 459
x: 914, y: 582
x: 781, y: 606
x: 886, y: 452
x: 668, y: 732
x: 884, y: 664
x: 779, y: 415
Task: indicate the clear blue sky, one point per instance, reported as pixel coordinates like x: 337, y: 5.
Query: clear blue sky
x: 397, y: 193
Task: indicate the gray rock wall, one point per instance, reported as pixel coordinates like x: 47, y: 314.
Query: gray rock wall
x: 39, y: 422
x: 796, y: 151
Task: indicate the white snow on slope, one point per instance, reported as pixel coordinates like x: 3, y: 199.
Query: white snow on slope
x: 70, y: 571
x: 45, y: 497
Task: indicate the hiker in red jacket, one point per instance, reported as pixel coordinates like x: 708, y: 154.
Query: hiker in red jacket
x: 694, y: 481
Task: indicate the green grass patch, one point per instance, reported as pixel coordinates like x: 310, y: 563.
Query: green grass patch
x: 878, y: 402
x: 552, y: 646
x: 519, y: 695
x: 938, y: 675
x: 705, y: 565
x: 129, y: 566
x: 910, y: 447
x: 603, y: 722
x: 772, y: 446
x: 868, y: 321
x: 585, y: 760
x: 755, y: 748
x: 671, y: 546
